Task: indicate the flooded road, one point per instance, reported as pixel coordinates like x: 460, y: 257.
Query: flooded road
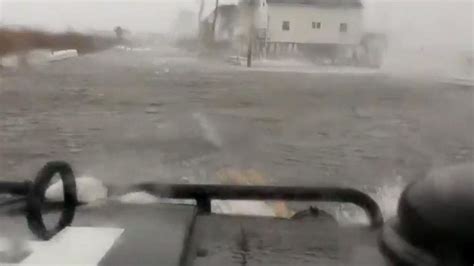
x: 159, y: 115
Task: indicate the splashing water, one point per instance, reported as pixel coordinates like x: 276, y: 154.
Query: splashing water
x: 387, y: 196
x: 89, y: 189
x: 208, y: 129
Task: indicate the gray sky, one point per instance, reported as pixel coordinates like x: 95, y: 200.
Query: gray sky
x: 97, y: 14
x: 137, y: 15
x: 413, y: 20
x: 444, y: 24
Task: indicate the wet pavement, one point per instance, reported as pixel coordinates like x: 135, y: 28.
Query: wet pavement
x: 162, y: 115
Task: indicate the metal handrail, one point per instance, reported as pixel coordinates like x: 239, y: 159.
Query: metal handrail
x: 15, y: 188
x: 204, y: 194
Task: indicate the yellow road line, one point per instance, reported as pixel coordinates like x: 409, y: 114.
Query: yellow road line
x: 252, y: 177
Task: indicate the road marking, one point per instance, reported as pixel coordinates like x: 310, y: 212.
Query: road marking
x: 251, y: 177
x: 72, y: 246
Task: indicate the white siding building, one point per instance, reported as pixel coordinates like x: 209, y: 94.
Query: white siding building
x: 331, y: 29
x: 314, y: 21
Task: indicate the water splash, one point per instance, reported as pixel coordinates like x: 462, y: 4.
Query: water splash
x: 387, y: 196
x: 89, y: 189
x: 208, y: 129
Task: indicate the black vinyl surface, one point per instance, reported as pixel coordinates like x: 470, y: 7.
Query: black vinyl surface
x: 230, y: 240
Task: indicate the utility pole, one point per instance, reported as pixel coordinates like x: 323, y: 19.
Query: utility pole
x: 1, y: 12
x: 201, y: 10
x: 215, y: 21
x: 252, y: 6
x: 249, y: 52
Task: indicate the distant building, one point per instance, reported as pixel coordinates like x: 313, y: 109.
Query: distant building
x: 314, y: 21
x: 227, y: 23
x: 320, y: 29
x: 185, y: 24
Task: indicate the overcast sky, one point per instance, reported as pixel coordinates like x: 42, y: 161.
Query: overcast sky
x: 138, y: 15
x: 441, y: 19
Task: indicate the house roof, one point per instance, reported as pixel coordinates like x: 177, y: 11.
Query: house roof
x: 322, y: 3
x: 226, y: 11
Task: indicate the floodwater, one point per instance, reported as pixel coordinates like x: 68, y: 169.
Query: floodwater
x: 165, y: 116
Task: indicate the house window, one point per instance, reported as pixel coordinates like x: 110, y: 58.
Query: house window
x: 343, y: 27
x: 316, y: 25
x: 285, y: 26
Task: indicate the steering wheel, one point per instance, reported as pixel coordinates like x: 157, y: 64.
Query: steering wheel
x: 36, y: 196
